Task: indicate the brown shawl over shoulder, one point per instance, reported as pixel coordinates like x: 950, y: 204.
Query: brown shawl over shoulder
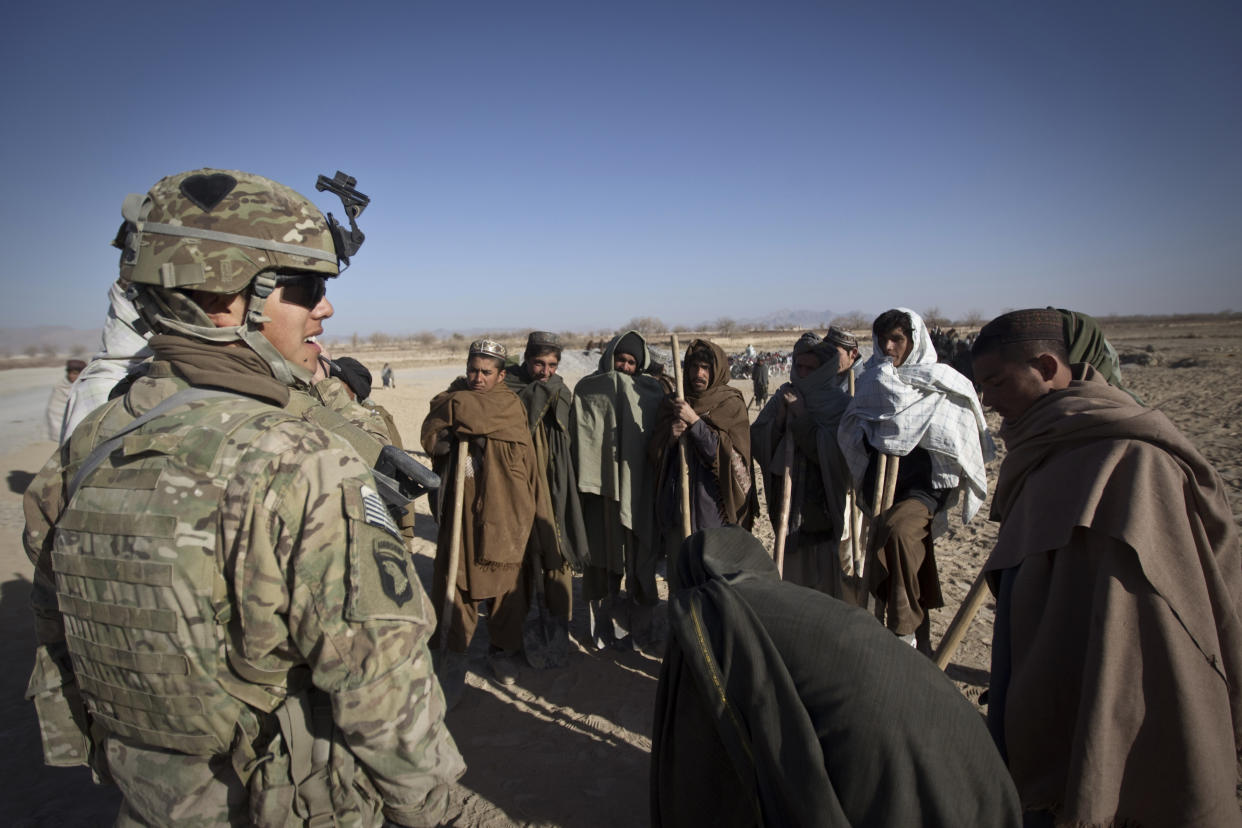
x: 500, y: 485
x: 724, y: 409
x: 1118, y: 647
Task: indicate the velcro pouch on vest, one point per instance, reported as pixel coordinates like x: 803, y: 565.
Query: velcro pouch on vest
x: 62, y: 714
x: 381, y: 583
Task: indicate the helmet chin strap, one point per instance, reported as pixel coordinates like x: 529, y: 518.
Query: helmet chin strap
x: 249, y: 332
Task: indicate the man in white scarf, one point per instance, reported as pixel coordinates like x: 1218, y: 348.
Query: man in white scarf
x: 124, y: 348
x: 907, y: 405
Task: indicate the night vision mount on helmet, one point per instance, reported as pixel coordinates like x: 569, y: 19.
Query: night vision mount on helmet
x: 223, y: 231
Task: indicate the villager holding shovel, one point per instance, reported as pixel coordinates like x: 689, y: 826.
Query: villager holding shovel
x: 614, y: 410
x: 558, y: 541
x: 717, y: 430
x: 499, y: 495
x: 926, y: 417
x: 802, y: 417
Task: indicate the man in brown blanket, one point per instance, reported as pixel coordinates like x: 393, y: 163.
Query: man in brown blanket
x: 713, y: 419
x: 1117, y: 651
x: 499, y: 496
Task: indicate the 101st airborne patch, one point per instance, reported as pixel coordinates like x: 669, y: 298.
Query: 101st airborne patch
x: 382, y: 581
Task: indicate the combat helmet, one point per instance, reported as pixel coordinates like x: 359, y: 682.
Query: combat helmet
x: 222, y: 231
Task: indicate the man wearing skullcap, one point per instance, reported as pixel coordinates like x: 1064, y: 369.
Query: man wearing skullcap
x: 713, y: 419
x: 499, y: 497
x: 850, y: 360
x: 806, y: 412
x: 908, y: 406
x: 556, y: 544
x: 1117, y: 646
x: 614, y: 411
x: 56, y: 403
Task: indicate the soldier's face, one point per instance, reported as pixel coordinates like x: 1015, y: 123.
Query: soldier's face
x: 625, y: 363
x: 295, y: 320
x: 542, y: 367
x: 482, y: 373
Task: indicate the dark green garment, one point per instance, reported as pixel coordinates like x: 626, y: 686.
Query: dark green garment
x: 1085, y: 342
x: 547, y: 405
x: 779, y: 705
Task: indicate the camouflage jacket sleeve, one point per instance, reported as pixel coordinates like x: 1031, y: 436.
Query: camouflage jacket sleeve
x: 334, y: 395
x: 322, y: 577
x: 62, y: 716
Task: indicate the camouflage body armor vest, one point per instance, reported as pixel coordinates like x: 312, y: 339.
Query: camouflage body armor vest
x: 143, y: 595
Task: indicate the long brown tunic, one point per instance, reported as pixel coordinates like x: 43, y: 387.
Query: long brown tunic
x: 1117, y: 655
x: 499, y: 486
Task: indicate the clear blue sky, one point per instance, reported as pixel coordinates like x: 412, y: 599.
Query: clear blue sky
x: 572, y: 165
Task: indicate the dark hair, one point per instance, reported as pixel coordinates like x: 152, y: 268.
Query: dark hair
x: 890, y: 319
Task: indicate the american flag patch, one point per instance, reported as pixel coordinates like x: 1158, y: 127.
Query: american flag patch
x: 377, y: 512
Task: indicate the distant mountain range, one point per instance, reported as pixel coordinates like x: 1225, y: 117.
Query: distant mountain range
x: 58, y: 338
x: 790, y: 318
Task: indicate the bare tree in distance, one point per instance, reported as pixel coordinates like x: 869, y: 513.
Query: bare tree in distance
x: 974, y: 318
x: 379, y: 338
x: 726, y: 325
x: 425, y: 338
x: 933, y: 318
x: 645, y: 325
x: 852, y: 321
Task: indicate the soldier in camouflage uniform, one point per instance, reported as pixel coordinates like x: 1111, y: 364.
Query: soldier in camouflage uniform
x: 229, y: 626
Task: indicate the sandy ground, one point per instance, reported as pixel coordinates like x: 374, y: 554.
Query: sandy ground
x: 570, y: 746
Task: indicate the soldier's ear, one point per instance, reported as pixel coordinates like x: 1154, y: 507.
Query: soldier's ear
x: 223, y: 309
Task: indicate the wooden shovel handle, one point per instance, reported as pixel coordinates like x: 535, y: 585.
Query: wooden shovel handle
x: 681, y: 445
x: 459, y: 500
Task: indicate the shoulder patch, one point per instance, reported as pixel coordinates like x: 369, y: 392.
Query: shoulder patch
x: 376, y: 512
x: 393, y: 564
x: 382, y: 583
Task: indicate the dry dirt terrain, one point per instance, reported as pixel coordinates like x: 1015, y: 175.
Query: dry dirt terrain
x: 570, y: 747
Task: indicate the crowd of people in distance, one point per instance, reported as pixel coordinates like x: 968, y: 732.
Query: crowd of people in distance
x: 230, y: 627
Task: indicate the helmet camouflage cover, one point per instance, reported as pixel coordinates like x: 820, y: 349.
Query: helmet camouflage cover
x: 215, y: 230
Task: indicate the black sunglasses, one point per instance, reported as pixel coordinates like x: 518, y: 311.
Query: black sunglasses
x: 302, y: 289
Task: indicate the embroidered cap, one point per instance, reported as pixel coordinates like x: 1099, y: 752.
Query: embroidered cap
x: 488, y: 347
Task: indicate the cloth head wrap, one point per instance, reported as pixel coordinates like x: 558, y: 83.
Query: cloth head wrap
x: 74, y: 365
x: 630, y: 344
x: 810, y: 343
